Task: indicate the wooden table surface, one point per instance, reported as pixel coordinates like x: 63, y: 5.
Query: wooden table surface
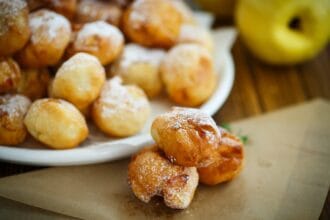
x: 259, y: 88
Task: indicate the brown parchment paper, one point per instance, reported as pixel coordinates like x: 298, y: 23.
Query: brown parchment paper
x: 286, y: 176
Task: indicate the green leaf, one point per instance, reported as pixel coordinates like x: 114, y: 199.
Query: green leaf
x: 226, y: 126
x: 244, y: 138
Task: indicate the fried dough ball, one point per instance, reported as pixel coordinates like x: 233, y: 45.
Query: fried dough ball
x: 66, y: 8
x: 151, y: 174
x: 34, y: 83
x: 79, y: 80
x: 91, y: 10
x: 100, y: 39
x: 139, y: 65
x: 14, y: 27
x: 196, y: 34
x: 185, y: 11
x: 56, y: 123
x: 121, y: 110
x: 189, y: 137
x: 230, y: 163
x: 50, y: 35
x: 10, y: 75
x: 12, y: 111
x: 188, y: 74
x: 154, y: 23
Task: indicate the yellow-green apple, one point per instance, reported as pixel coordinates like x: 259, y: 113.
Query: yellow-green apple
x: 284, y: 31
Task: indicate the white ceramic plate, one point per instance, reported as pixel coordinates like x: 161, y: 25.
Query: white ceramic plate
x: 99, y: 148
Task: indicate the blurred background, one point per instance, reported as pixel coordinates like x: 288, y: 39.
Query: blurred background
x: 297, y: 70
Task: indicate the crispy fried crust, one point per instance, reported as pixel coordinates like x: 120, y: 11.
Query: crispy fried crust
x: 91, y: 10
x: 188, y: 137
x: 79, y: 80
x: 98, y: 38
x: 151, y: 174
x: 56, y: 123
x: 229, y: 165
x: 140, y: 65
x: 152, y: 23
x: 14, y: 27
x: 12, y: 111
x: 10, y: 75
x: 188, y: 74
x: 120, y: 110
x: 50, y: 35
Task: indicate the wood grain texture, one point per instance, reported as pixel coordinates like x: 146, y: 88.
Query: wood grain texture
x: 244, y: 99
x: 260, y: 88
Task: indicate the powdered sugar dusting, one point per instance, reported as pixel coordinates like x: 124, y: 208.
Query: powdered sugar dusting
x: 137, y: 17
x: 190, y: 118
x: 134, y: 53
x: 46, y: 25
x: 182, y: 55
x: 102, y: 29
x: 11, y: 7
x: 182, y: 58
x: 195, y: 34
x: 117, y: 98
x: 14, y: 105
x: 81, y: 59
x: 191, y: 114
x: 8, y: 10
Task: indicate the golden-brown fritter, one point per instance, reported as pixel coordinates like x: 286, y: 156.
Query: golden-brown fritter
x: 140, y: 66
x: 100, y: 39
x: 96, y: 10
x: 12, y: 111
x: 196, y: 34
x: 79, y: 80
x: 34, y: 83
x: 14, y: 27
x: 154, y: 23
x: 50, y: 35
x: 151, y: 174
x: 56, y: 123
x: 120, y: 110
x: 189, y: 137
x: 188, y: 74
x: 10, y: 75
x: 230, y: 163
